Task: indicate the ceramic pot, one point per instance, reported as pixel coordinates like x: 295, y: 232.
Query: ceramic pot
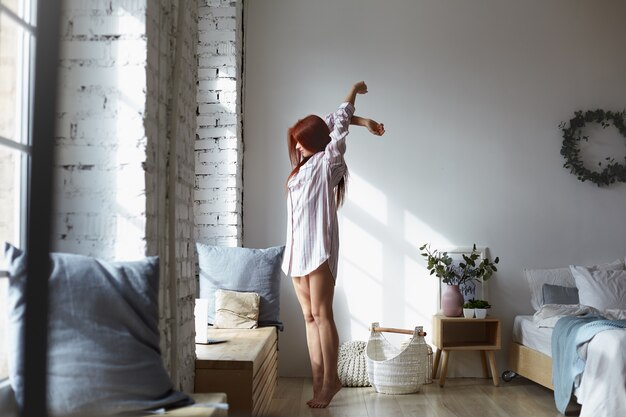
x: 452, y: 301
x: 481, y: 313
x: 468, y: 313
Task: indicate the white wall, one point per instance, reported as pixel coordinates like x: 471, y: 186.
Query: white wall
x: 471, y: 94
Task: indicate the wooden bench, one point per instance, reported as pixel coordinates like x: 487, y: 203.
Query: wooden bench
x: 245, y: 367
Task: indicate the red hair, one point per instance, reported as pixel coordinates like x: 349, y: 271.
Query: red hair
x: 313, y: 134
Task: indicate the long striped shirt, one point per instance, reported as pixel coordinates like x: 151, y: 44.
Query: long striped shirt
x: 312, y: 228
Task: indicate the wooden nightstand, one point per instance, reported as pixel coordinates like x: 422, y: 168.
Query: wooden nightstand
x: 459, y: 333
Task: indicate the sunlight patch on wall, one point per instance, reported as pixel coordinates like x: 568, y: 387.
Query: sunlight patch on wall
x: 368, y: 198
x: 385, y: 284
x: 417, y: 232
x: 362, y: 249
x: 421, y: 289
x: 127, y: 103
x: 420, y: 294
x: 365, y: 301
x: 361, y: 273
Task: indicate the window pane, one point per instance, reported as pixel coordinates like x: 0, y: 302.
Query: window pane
x: 13, y: 115
x: 9, y: 195
x: 13, y: 5
x: 9, y: 223
x: 10, y: 34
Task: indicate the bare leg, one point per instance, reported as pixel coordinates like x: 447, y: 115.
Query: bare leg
x: 301, y: 285
x: 322, y: 291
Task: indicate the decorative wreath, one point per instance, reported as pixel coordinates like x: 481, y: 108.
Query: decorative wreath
x: 572, y: 134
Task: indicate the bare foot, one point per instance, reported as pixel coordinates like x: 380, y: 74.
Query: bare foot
x: 325, y: 396
x: 317, y: 388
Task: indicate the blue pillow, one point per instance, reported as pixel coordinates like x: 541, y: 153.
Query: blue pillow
x: 557, y: 294
x: 243, y: 269
x: 103, y: 342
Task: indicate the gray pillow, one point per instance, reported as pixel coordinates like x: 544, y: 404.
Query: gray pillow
x: 103, y: 342
x: 246, y: 270
x: 8, y: 407
x: 557, y: 294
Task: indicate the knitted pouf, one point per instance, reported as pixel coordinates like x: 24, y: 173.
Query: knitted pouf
x: 352, y: 364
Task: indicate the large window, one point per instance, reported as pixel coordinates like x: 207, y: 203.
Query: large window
x: 17, y: 43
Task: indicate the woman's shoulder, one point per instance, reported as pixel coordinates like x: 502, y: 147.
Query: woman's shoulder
x: 308, y: 170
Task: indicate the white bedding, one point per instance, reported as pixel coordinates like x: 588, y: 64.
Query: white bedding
x: 602, y: 388
x: 527, y: 333
x: 549, y: 314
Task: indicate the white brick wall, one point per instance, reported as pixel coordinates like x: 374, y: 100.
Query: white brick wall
x: 155, y: 125
x: 169, y: 175
x: 219, y: 147
x: 101, y: 145
x: 120, y: 147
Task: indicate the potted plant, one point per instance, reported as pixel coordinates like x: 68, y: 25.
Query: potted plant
x: 442, y: 266
x: 480, y: 308
x: 468, y: 309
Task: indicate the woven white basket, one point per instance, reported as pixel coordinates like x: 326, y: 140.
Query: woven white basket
x: 396, y: 371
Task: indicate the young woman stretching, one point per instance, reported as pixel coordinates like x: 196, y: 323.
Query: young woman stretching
x: 315, y: 189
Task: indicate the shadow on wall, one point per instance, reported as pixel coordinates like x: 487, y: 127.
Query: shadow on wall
x: 381, y: 270
x: 382, y: 275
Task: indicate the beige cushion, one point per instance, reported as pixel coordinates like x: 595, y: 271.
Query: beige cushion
x: 236, y: 310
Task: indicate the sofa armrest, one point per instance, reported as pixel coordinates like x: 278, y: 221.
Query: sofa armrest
x: 8, y: 406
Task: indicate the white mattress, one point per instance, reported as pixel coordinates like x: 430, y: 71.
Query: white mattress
x: 526, y: 332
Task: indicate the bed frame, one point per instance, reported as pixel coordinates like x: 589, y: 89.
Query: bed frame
x: 530, y: 364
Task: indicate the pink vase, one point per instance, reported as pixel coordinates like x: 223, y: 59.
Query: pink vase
x: 452, y: 301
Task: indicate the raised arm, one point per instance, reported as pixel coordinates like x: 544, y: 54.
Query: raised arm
x: 358, y: 88
x: 375, y: 128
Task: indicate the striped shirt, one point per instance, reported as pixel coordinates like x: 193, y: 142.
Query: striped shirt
x: 312, y: 228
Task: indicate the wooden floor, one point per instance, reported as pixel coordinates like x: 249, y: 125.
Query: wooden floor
x: 461, y: 397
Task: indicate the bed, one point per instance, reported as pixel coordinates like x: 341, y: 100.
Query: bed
x: 529, y: 352
x: 600, y: 386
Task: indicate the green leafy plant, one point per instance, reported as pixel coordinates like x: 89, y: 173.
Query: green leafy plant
x: 441, y: 265
x: 481, y: 304
x: 469, y: 304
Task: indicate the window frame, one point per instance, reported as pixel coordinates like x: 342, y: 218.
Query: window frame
x: 22, y: 143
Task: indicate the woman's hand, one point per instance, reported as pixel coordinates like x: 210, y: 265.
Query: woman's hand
x: 375, y: 128
x: 360, y: 87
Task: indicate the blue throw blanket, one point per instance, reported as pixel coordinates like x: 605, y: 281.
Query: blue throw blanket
x: 568, y: 335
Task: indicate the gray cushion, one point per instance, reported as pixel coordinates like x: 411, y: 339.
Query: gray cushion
x: 557, y: 294
x: 103, y: 344
x: 243, y: 269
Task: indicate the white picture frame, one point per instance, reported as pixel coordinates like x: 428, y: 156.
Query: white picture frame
x: 478, y: 289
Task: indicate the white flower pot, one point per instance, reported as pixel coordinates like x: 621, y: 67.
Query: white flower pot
x: 468, y: 313
x: 481, y: 313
